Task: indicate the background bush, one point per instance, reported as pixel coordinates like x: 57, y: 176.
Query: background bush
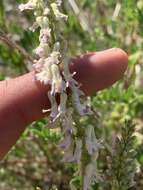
x: 35, y: 161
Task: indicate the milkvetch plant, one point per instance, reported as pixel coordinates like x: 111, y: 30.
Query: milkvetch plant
x: 35, y: 162
x: 51, y: 67
x: 99, y: 164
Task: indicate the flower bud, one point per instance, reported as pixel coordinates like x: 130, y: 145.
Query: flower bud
x: 57, y: 13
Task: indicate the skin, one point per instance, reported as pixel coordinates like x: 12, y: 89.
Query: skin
x: 22, y: 99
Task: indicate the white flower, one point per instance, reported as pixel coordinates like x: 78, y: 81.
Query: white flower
x: 57, y: 81
x: 38, y: 64
x: 42, y: 21
x: 42, y: 77
x: 28, y: 6
x: 45, y: 74
x: 55, y: 55
x: 42, y: 50
x: 46, y: 11
x: 57, y: 13
x: 50, y: 73
x: 44, y: 35
x: 59, y: 2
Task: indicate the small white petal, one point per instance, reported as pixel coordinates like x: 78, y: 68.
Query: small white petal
x: 27, y: 6
x: 57, y: 13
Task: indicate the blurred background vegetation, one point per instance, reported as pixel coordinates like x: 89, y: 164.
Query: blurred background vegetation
x: 93, y: 25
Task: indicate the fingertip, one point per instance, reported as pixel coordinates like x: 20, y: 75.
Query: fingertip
x: 122, y: 58
x: 116, y: 56
x: 99, y: 70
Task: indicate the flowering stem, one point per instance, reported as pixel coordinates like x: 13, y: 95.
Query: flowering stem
x: 80, y: 143
x: 51, y: 25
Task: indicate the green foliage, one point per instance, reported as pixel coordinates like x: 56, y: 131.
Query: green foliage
x: 121, y: 161
x: 35, y: 162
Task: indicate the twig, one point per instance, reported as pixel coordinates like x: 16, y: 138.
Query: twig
x: 82, y: 19
x: 13, y: 45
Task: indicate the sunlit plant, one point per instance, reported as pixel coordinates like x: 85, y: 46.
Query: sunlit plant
x: 51, y: 67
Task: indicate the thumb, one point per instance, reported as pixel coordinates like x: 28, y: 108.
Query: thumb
x: 22, y: 100
x: 99, y: 70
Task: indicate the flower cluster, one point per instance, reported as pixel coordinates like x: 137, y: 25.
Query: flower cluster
x: 48, y: 71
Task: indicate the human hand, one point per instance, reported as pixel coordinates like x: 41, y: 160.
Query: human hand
x: 22, y: 99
